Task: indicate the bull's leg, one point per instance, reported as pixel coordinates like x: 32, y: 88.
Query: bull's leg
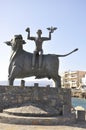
x: 13, y: 75
x: 10, y: 81
x: 57, y: 82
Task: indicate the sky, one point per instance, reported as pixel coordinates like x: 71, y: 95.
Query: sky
x: 69, y: 16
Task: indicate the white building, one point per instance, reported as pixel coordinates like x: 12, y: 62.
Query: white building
x: 84, y: 80
x: 73, y: 79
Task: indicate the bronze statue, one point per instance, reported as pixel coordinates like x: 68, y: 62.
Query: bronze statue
x: 39, y: 41
x: 21, y: 63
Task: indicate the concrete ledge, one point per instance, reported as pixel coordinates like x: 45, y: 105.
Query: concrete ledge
x: 59, y: 120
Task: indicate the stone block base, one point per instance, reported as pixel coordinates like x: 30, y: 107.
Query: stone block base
x: 60, y: 120
x: 41, y: 105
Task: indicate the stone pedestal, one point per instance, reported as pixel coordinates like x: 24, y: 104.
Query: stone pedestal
x: 66, y: 110
x: 22, y: 83
x: 47, y: 97
x: 45, y: 103
x: 81, y: 115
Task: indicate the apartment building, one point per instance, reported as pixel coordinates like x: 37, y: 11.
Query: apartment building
x: 72, y: 79
x: 84, y: 80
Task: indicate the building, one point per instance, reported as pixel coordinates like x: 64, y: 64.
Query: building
x: 72, y: 79
x: 84, y: 80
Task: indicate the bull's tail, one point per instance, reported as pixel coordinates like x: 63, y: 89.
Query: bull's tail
x: 68, y: 53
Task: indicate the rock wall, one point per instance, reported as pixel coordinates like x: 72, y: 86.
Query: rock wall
x: 11, y: 96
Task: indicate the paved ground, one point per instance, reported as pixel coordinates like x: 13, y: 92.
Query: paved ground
x: 79, y: 126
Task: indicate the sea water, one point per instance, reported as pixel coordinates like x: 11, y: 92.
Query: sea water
x: 79, y: 102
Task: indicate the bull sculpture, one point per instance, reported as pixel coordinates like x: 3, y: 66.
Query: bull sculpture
x: 21, y: 63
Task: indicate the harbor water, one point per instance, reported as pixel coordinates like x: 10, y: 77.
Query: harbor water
x: 79, y: 102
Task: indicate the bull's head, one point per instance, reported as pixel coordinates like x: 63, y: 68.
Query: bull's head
x: 16, y: 42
